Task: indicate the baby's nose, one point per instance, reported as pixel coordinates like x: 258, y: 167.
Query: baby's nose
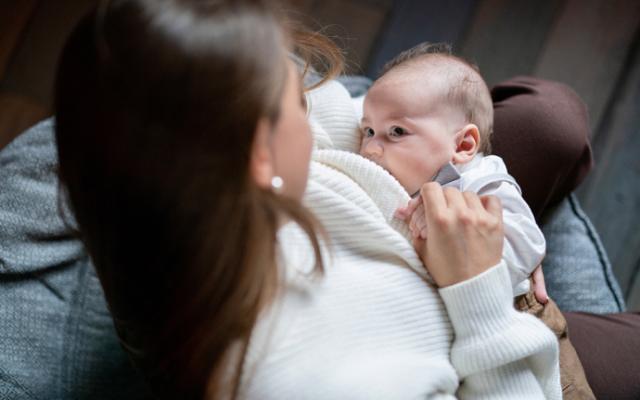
x: 372, y: 149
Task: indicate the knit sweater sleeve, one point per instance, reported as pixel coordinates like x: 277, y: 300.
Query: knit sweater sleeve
x: 497, y: 351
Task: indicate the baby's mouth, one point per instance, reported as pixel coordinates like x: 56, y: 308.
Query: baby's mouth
x: 373, y: 160
x: 382, y: 166
x: 412, y: 194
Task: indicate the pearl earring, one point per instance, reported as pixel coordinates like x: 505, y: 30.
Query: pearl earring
x: 276, y: 184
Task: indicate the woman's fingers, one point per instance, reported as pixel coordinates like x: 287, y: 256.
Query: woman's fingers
x: 434, y: 202
x: 455, y: 199
x: 464, y: 233
x: 457, y: 202
x: 418, y: 222
x: 473, y: 201
x: 423, y: 232
x: 492, y: 205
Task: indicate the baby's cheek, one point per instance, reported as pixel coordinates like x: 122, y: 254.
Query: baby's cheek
x: 421, y: 171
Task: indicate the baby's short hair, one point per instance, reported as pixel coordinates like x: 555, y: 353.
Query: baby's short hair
x: 468, y: 89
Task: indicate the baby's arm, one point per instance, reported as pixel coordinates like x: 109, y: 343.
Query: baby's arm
x: 524, y: 243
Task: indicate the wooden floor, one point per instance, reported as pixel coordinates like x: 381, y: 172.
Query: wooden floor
x: 591, y: 45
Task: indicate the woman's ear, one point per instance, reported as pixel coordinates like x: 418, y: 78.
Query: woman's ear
x: 467, y: 144
x: 261, y: 162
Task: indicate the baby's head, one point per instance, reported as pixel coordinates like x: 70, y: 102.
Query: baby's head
x: 427, y: 109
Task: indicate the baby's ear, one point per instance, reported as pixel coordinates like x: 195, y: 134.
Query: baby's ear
x: 467, y: 144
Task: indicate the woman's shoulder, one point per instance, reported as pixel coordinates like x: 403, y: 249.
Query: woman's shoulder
x: 333, y: 118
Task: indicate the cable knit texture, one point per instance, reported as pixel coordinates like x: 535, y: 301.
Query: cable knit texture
x: 373, y: 327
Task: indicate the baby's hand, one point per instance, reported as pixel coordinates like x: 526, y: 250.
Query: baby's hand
x: 413, y: 215
x: 539, y: 288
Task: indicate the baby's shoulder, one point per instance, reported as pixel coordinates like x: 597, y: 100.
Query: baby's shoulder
x: 484, y: 171
x: 489, y: 164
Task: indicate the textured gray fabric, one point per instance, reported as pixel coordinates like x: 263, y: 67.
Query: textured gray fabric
x: 58, y: 340
x: 577, y: 270
x: 356, y: 85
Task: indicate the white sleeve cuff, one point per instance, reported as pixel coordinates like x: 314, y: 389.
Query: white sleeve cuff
x: 481, y: 305
x: 489, y: 331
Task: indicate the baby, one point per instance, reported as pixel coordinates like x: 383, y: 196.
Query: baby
x: 430, y: 117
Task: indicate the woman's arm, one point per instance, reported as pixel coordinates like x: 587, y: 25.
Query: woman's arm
x: 496, y: 351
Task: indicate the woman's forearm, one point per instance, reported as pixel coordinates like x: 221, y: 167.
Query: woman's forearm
x: 498, y: 350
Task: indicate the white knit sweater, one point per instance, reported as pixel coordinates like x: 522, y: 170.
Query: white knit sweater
x: 373, y: 327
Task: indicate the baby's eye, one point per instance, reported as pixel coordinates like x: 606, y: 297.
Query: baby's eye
x: 368, y: 132
x: 397, y: 131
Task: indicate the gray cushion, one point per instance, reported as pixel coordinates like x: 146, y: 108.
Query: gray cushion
x: 58, y: 340
x: 577, y: 270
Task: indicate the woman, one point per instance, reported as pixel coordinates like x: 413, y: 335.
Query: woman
x: 184, y: 149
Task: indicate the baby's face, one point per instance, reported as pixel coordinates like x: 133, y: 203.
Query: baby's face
x: 408, y: 130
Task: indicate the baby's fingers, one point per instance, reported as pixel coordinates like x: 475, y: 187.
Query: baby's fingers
x: 405, y: 212
x: 539, y: 288
x: 418, y: 222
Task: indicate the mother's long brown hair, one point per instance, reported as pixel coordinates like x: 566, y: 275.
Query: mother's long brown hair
x: 157, y: 102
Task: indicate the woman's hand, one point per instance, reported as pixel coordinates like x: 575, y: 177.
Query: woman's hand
x: 464, y: 234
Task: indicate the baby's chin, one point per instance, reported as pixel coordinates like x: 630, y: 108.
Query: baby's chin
x: 411, y: 190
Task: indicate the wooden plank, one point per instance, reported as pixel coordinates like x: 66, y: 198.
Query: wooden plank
x: 506, y: 36
x: 14, y: 17
x: 587, y: 48
x: 611, y: 194
x: 353, y: 25
x: 17, y: 113
x: 32, y: 68
x: 411, y: 22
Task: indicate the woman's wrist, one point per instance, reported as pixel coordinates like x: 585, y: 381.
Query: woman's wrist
x: 480, y: 305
